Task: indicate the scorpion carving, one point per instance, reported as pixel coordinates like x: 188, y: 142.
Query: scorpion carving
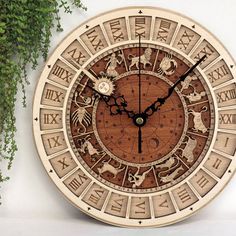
x: 81, y: 116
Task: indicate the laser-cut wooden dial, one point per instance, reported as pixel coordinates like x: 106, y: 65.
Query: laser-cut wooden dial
x: 188, y: 145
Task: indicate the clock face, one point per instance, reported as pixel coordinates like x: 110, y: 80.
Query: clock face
x: 134, y: 117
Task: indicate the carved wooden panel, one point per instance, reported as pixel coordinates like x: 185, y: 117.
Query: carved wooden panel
x: 123, y: 138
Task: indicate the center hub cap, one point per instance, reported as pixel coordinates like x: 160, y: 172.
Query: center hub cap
x: 139, y: 120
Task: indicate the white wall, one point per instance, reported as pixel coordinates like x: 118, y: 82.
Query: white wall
x: 32, y: 205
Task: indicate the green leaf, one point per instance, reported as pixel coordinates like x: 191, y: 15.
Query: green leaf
x: 25, y: 31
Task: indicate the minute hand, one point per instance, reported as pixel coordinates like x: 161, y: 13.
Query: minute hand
x: 154, y: 106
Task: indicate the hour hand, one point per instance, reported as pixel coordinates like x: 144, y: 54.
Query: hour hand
x: 117, y: 104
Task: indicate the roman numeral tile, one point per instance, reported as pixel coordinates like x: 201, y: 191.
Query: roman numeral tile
x: 227, y: 119
x: 140, y: 25
x: 184, y: 196
x: 163, y: 205
x: 94, y: 39
x: 164, y: 30
x: 217, y: 164
x: 63, y: 164
x: 117, y: 205
x: 186, y: 39
x: 202, y: 182
x: 219, y: 73
x: 54, y: 142
x: 61, y: 73
x: 53, y: 96
x: 77, y: 182
x: 116, y: 30
x: 226, y: 96
x: 140, y: 208
x: 50, y: 119
x: 76, y: 54
x: 205, y: 48
x: 95, y: 196
x: 226, y: 142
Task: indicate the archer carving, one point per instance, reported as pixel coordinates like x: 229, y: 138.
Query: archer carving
x: 195, y: 96
x: 187, y: 82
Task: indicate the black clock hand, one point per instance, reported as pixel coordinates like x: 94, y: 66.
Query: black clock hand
x: 139, y: 95
x: 139, y: 74
x: 117, y: 105
x: 139, y: 139
x: 160, y: 101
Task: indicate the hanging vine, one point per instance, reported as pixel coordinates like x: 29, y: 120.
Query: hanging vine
x: 25, y: 31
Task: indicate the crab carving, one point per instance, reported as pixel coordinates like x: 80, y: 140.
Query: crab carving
x: 167, y: 66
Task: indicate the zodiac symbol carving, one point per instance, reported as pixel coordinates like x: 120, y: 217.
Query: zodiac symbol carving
x: 87, y: 146
x: 107, y: 167
x: 137, y: 179
x: 197, y: 120
x: 171, y: 176
x: 187, y: 151
x: 167, y: 66
x: 167, y: 164
x: 144, y: 59
x: 112, y: 63
x: 195, y: 96
x: 187, y: 82
x: 81, y: 116
x: 170, y: 164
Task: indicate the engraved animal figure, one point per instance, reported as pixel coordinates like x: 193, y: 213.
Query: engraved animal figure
x: 167, y: 66
x: 170, y: 164
x: 81, y: 116
x: 171, y: 176
x: 144, y: 59
x: 197, y: 120
x: 137, y: 179
x: 187, y: 151
x: 195, y: 96
x: 167, y: 164
x: 110, y: 168
x: 112, y: 63
x: 87, y: 146
x: 187, y: 82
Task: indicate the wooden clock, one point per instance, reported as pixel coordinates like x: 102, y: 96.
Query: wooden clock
x: 135, y: 117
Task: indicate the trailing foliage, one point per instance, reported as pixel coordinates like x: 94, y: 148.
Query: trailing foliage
x: 25, y: 31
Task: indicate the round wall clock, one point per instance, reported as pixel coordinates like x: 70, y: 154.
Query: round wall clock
x: 135, y: 117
